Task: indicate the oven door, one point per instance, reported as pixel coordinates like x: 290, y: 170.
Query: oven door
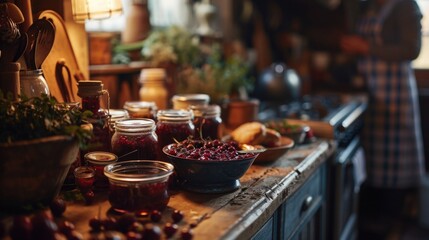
x: 347, y: 179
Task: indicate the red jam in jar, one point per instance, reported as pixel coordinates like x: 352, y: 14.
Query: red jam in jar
x: 98, y: 160
x: 141, y: 109
x: 85, y: 178
x: 207, y: 121
x: 135, y: 139
x: 173, y: 125
x: 138, y: 186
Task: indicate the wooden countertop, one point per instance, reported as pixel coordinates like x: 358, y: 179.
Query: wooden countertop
x: 236, y: 215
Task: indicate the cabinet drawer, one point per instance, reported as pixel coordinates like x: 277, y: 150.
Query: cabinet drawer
x: 304, y: 203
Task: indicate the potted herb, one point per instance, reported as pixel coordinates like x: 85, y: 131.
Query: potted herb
x: 39, y: 140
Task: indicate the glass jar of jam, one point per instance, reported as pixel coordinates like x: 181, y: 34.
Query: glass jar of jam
x: 135, y: 139
x: 138, y: 186
x: 141, y: 109
x: 85, y: 178
x: 173, y: 125
x: 98, y: 160
x: 90, y: 91
x: 207, y: 121
x: 116, y: 115
x: 184, y: 101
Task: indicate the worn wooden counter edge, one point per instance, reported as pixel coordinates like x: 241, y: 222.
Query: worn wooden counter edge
x: 236, y: 215
x: 256, y: 204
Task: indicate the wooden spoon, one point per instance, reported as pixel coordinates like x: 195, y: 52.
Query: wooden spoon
x: 44, y: 42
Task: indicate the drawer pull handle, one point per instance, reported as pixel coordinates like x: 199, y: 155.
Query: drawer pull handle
x: 307, y: 203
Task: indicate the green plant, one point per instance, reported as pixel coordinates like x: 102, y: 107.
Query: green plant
x: 218, y: 76
x: 172, y: 44
x: 38, y: 117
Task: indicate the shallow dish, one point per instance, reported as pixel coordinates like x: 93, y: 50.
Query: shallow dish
x: 209, y: 176
x: 274, y: 153
x: 296, y: 132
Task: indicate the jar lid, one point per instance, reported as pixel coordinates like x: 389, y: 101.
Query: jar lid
x: 198, y: 97
x: 135, y: 125
x: 174, y: 115
x: 89, y: 88
x: 139, y: 105
x: 206, y: 110
x: 118, y: 114
x: 100, y: 158
x: 31, y: 72
x: 152, y: 74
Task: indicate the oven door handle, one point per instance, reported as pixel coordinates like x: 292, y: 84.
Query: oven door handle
x: 352, y: 118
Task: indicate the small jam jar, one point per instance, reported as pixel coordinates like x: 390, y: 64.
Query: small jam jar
x: 141, y: 109
x: 98, y: 160
x: 173, y: 125
x: 207, y: 121
x: 85, y: 178
x: 138, y: 186
x: 135, y: 139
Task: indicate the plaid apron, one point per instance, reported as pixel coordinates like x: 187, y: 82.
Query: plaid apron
x: 392, y: 135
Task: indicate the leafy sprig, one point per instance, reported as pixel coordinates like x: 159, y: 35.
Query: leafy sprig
x: 38, y: 117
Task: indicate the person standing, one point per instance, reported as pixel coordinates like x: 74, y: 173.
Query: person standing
x: 388, y: 39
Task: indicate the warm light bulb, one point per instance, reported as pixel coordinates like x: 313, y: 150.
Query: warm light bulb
x: 95, y: 9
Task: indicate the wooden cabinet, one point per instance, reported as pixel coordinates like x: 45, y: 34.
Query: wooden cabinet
x: 303, y: 214
x: 269, y: 230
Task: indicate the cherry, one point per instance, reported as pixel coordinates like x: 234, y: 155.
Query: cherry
x: 89, y: 197
x: 112, y: 235
x: 151, y: 232
x: 96, y: 224
x: 170, y: 229
x: 155, y: 216
x: 137, y: 227
x: 177, y: 216
x: 109, y: 224
x: 125, y: 221
x: 74, y: 235
x: 58, y: 207
x: 133, y: 236
x: 43, y: 227
x: 66, y: 227
x: 186, y: 234
x: 22, y: 228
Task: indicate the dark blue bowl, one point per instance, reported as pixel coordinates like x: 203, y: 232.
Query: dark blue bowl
x: 209, y: 176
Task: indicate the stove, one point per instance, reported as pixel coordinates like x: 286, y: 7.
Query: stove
x: 340, y: 118
x: 330, y: 116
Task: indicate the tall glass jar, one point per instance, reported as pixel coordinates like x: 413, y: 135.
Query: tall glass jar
x: 153, y: 87
x: 141, y: 109
x: 135, y: 139
x: 33, y: 83
x: 207, y: 121
x: 90, y: 91
x: 173, y: 125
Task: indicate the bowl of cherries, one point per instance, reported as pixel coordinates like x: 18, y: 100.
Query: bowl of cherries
x: 209, y: 166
